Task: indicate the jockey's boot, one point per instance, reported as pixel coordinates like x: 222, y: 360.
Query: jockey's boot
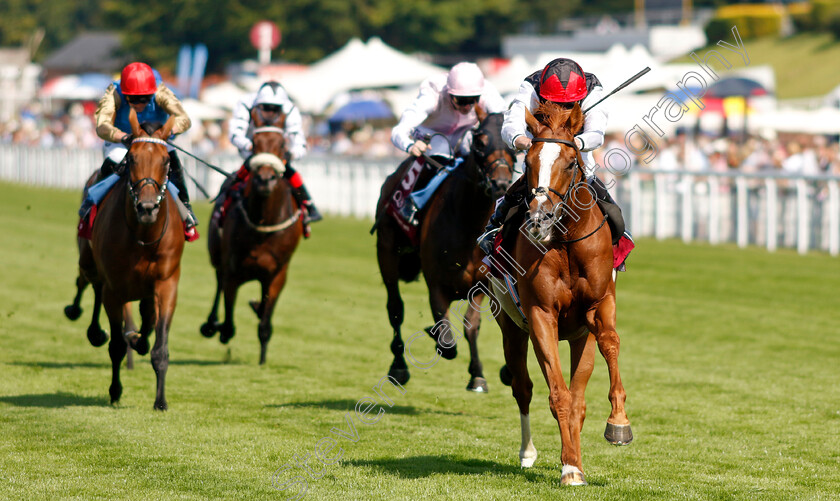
x: 485, y: 241
x: 305, y: 201
x: 176, y: 175
x: 108, y: 168
x: 610, y: 208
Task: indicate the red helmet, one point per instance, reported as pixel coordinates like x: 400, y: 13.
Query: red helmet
x: 137, y: 79
x: 563, y: 81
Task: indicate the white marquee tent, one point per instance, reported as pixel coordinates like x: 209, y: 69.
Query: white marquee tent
x: 356, y: 66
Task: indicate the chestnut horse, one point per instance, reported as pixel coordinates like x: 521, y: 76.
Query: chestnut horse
x: 567, y: 291
x: 447, y: 253
x: 258, y: 236
x: 135, y: 254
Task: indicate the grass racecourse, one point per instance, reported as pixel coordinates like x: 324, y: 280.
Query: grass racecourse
x: 730, y: 358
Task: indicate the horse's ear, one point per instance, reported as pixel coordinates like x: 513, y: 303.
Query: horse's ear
x: 533, y: 124
x: 480, y: 113
x: 165, y: 131
x: 576, y: 119
x: 135, y: 124
x: 281, y: 121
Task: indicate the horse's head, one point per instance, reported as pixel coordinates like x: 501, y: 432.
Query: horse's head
x: 494, y: 158
x: 266, y: 170
x: 553, y: 165
x: 269, y: 131
x: 148, y: 167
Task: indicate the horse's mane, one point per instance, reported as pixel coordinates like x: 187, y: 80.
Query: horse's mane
x: 557, y: 117
x: 150, y: 127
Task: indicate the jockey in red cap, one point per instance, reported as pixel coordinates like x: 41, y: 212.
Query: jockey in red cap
x: 561, y: 81
x: 139, y: 88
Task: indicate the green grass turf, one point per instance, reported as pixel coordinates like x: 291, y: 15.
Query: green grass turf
x: 800, y: 62
x: 729, y: 358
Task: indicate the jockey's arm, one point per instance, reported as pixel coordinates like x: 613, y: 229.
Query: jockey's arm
x: 239, y: 123
x: 514, y: 123
x: 106, y: 110
x: 414, y: 115
x: 595, y: 122
x: 294, y: 131
x: 167, y: 101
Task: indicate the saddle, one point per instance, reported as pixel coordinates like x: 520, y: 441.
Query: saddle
x: 415, y: 189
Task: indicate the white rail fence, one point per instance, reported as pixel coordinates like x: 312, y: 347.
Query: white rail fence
x: 801, y: 212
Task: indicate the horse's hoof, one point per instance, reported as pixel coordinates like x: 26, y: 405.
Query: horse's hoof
x: 115, y: 392
x: 208, y: 329
x: 527, y: 461
x: 138, y: 343
x: 448, y: 353
x: 505, y: 375
x: 73, y: 312
x: 97, y: 336
x: 478, y: 385
x: 618, y: 434
x: 400, y: 375
x: 572, y: 476
x: 161, y: 406
x: 226, y: 334
x: 256, y: 306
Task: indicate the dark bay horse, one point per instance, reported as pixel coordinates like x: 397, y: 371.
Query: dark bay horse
x: 258, y: 236
x: 447, y: 252
x: 567, y: 291
x: 135, y: 254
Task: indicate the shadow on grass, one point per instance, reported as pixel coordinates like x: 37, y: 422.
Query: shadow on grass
x: 55, y: 400
x: 426, y: 466
x: 63, y: 365
x: 205, y: 362
x: 349, y: 405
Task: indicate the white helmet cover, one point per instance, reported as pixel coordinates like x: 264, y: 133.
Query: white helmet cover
x: 465, y: 79
x: 272, y: 93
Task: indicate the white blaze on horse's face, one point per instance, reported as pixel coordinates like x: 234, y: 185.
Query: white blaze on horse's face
x: 549, y: 154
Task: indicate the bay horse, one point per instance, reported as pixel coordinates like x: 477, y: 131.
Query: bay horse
x: 567, y: 291
x: 447, y: 253
x: 135, y: 254
x: 258, y: 236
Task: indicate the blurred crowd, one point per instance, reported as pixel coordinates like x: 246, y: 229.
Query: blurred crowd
x: 73, y: 127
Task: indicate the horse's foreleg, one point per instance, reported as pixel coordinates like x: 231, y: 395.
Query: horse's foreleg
x: 211, y: 326
x: 139, y: 341
x: 441, y: 332
x: 389, y: 269
x: 472, y: 321
x: 582, y: 361
x: 515, y: 343
x: 227, y: 329
x: 166, y: 294
x: 74, y: 311
x: 116, y: 348
x: 129, y: 327
x: 95, y: 334
x: 602, y: 324
x: 544, y: 336
x: 271, y: 292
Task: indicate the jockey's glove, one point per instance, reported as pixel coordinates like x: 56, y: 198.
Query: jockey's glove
x: 127, y: 139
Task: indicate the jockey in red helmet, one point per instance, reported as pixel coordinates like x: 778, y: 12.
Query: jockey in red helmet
x: 271, y: 102
x: 561, y: 81
x: 140, y: 88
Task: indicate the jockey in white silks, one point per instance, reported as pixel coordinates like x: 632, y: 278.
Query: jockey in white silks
x: 445, y: 106
x: 270, y: 101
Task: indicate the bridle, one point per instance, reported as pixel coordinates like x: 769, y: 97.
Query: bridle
x: 564, y: 197
x: 135, y: 188
x: 487, y: 173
